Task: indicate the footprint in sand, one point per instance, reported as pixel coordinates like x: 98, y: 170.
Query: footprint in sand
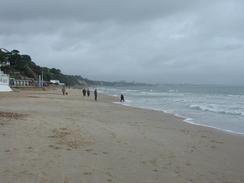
x: 217, y: 142
x: 29, y: 149
x: 188, y: 164
x: 108, y: 174
x: 89, y: 150
x: 144, y: 162
x: 66, y: 180
x: 213, y: 146
x: 54, y: 147
x: 63, y: 128
x: 155, y: 170
x: 186, y: 132
x: 87, y: 173
x: 109, y: 179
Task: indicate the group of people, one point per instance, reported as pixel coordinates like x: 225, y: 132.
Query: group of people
x: 87, y: 92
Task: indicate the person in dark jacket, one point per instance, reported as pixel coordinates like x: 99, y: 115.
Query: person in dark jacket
x: 122, y: 98
x: 95, y: 94
x: 84, y: 92
x: 63, y: 90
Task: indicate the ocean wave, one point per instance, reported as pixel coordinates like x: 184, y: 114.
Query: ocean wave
x: 132, y: 90
x: 216, y: 109
x: 159, y: 94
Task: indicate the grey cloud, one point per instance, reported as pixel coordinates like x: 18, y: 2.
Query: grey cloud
x: 92, y: 10
x: 189, y: 41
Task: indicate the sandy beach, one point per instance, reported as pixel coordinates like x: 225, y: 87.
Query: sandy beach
x: 49, y: 138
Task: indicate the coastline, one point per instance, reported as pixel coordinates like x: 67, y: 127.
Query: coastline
x: 183, y: 118
x: 207, y: 106
x: 75, y: 139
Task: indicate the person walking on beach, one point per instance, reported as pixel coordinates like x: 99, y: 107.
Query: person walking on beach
x: 122, y: 98
x: 88, y: 92
x: 63, y: 90
x: 84, y: 92
x: 95, y: 94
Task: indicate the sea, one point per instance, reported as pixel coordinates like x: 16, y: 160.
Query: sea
x: 215, y: 106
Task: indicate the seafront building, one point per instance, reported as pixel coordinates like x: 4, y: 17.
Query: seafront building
x: 56, y: 82
x: 4, y: 78
x: 4, y: 82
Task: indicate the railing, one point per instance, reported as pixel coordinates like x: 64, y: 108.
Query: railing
x: 15, y: 83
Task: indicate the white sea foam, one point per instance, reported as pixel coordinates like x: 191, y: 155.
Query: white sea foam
x: 191, y: 121
x: 217, y: 109
x: 131, y: 90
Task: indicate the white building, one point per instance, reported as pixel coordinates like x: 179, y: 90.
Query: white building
x: 57, y: 82
x: 4, y: 82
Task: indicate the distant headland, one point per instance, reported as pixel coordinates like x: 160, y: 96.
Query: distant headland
x: 21, y: 67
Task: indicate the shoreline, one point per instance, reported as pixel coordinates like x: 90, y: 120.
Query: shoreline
x: 115, y: 100
x: 184, y: 119
x: 48, y: 137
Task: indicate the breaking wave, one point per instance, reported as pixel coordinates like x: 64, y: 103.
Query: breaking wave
x: 216, y: 109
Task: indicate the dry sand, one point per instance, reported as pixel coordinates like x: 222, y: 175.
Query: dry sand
x: 47, y: 137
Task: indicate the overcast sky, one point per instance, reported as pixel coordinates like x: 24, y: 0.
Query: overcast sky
x: 158, y: 41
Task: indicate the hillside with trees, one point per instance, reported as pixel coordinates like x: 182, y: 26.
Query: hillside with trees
x: 21, y: 66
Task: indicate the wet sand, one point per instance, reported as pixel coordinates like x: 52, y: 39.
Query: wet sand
x: 49, y: 138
